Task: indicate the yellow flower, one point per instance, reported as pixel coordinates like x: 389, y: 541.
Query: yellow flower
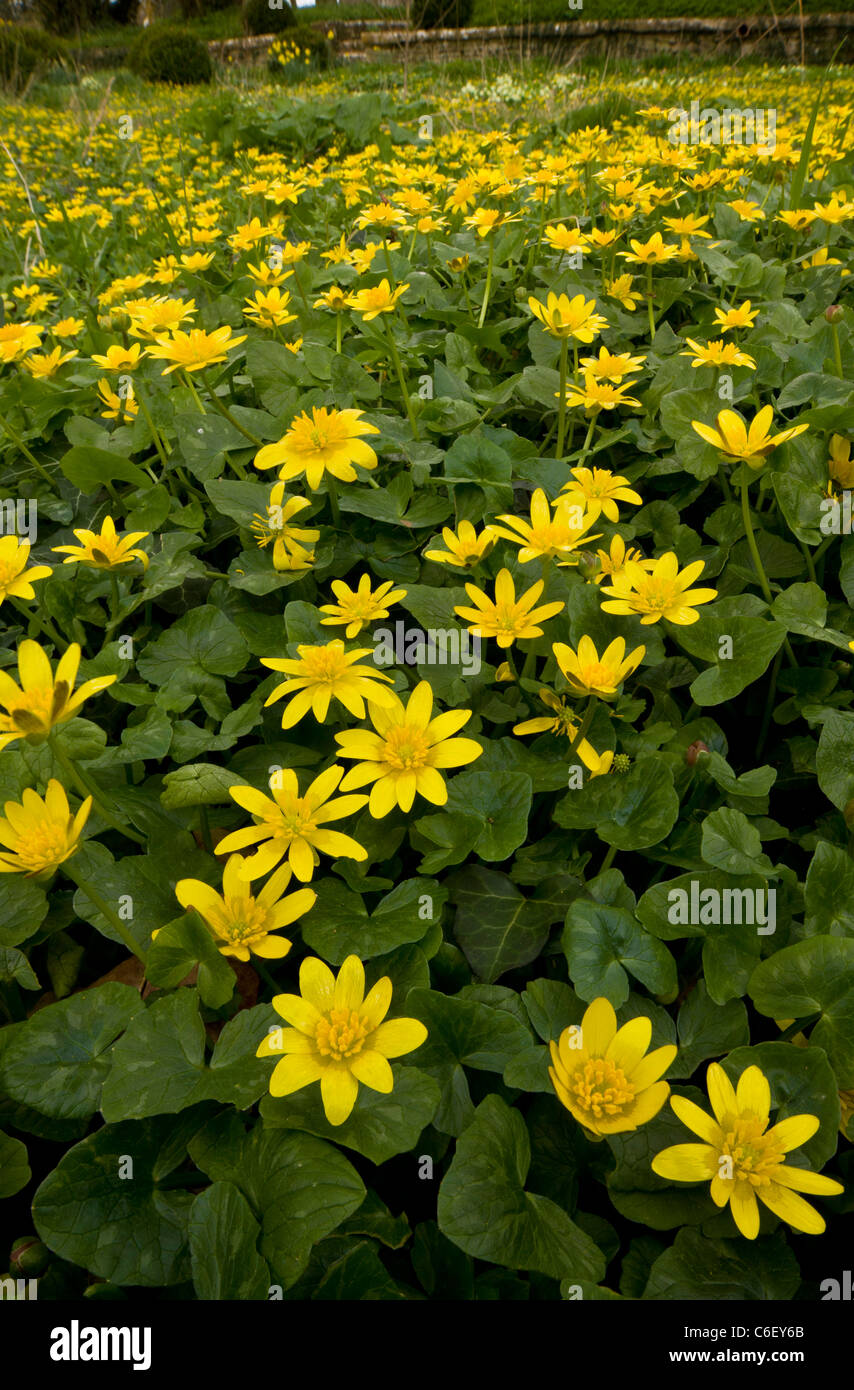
x: 158, y: 316
x: 242, y: 921
x: 322, y: 673
x: 655, y: 251
x: 742, y: 317
x: 327, y: 441
x: 597, y: 395
x: 194, y: 351
x: 563, y: 722
x: 265, y: 274
x: 39, y: 835
x: 381, y: 215
x: 750, y: 445
x: 335, y: 299
x: 841, y: 466
x: 357, y: 607
x: 598, y: 490
x: 42, y: 700
x: 545, y: 534
x: 44, y: 364
x: 118, y: 407
x: 269, y: 308
x: 605, y: 1076
x: 405, y: 754
x: 834, y: 211
x: 486, y: 220
x: 16, y: 581
x: 612, y: 366
x: 118, y: 358
x: 565, y: 239
x: 744, y: 1159
x: 797, y: 220
x: 378, y: 299
x: 591, y: 674
x: 337, y: 1037
x: 293, y: 825
x: 621, y: 290
x: 197, y: 260
x: 67, y: 328
x: 658, y: 592
x: 104, y: 550
x: 613, y: 561
x: 465, y: 547
x: 505, y: 617
x: 747, y: 211
x: 718, y: 354
x: 17, y: 339
x: 290, y: 543
x: 569, y: 318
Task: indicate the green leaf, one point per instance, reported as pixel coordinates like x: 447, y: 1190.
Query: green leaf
x: 813, y: 976
x: 497, y: 928
x: 23, y: 908
x: 15, y: 966
x: 103, y: 1208
x: 734, y: 664
x: 15, y: 1170
x: 339, y: 924
x: 707, y: 1029
x: 829, y: 892
x: 159, y: 1065
x: 199, y: 784
x: 502, y: 803
x: 462, y: 1032
x: 602, y: 942
x: 60, y: 1058
x: 89, y: 468
x: 188, y: 659
x: 697, y: 1268
x: 641, y: 1195
x: 834, y: 762
x: 732, y: 843
x: 223, y: 1246
x: 379, y: 1126
x: 298, y: 1188
x: 629, y: 812
x: 484, y: 1208
x: 178, y: 947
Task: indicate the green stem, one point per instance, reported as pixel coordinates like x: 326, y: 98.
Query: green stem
x: 561, y: 416
x: 43, y: 622
x: 227, y: 415
x: 529, y: 664
x: 587, y: 440
x: 609, y: 859
x: 398, y: 367
x: 488, y: 286
x: 104, y: 908
x: 157, y: 441
x: 583, y: 727
x: 649, y: 303
x: 751, y: 542
x: 87, y: 787
x: 28, y: 454
x: 332, y: 494
x: 837, y: 351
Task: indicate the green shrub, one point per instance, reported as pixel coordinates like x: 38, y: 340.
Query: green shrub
x: 260, y: 18
x: 442, y: 14
x: 25, y: 53
x: 166, y: 53
x: 289, y: 58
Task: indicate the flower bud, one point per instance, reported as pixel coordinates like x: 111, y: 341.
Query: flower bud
x: 834, y: 313
x: 695, y: 751
x: 588, y: 564
x: 29, y: 1256
x: 622, y: 762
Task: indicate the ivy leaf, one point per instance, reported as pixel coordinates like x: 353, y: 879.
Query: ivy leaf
x: 484, y: 1209
x: 497, y: 928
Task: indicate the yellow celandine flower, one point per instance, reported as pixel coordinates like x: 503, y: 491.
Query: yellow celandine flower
x: 744, y: 1159
x: 39, y: 835
x: 404, y: 756
x: 16, y: 581
x: 335, y: 299
x: 326, y: 441
x: 486, y: 220
x: 613, y: 561
x: 360, y: 606
x: 564, y: 722
x: 687, y: 226
x: 338, y: 254
x: 290, y: 543
x: 660, y: 591
x: 243, y: 922
x: 654, y: 251
x: 193, y: 351
x: 751, y: 445
x: 841, y: 466
x: 834, y: 211
x: 505, y: 617
x: 118, y: 407
x: 269, y: 308
x: 718, y: 354
x: 118, y: 358
x: 621, y: 290
x: 294, y: 825
x: 612, y: 366
x: 243, y: 238
x: 157, y: 317
x: 378, y: 299
x: 565, y: 239
x: 465, y: 547
x: 324, y: 673
x: 67, y: 328
x: 747, y: 210
x: 599, y: 490
x: 338, y: 1037
x: 605, y: 1076
x: 197, y: 260
x: 798, y: 219
x: 266, y: 274
x: 569, y: 318
x: 44, y: 364
x: 546, y: 535
x: 17, y: 339
x: 381, y: 215
x: 741, y: 317
x: 588, y: 673
x: 602, y: 238
x: 104, y: 549
x: 597, y: 395
x: 42, y: 700
x: 822, y: 257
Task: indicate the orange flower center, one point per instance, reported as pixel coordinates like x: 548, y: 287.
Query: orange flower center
x: 753, y: 1153
x: 601, y: 1088
x: 406, y: 748
x: 340, y: 1033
